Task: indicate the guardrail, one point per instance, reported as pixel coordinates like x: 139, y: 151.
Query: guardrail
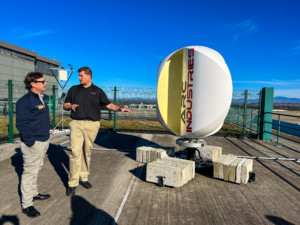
x: 251, y: 121
x: 285, y: 127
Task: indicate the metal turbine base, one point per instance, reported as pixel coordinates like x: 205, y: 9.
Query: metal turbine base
x: 192, y: 151
x: 191, y: 142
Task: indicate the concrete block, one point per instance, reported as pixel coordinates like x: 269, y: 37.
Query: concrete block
x: 238, y: 174
x: 230, y: 159
x: 221, y: 166
x: 232, y: 169
x: 138, y: 156
x: 147, y: 154
x: 216, y: 165
x: 246, y: 168
x: 175, y: 172
x: 210, y: 152
x: 161, y: 153
x: 189, y: 165
x: 184, y: 174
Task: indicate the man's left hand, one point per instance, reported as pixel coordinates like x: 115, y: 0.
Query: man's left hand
x: 125, y: 110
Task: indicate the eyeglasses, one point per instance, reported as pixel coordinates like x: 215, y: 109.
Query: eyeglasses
x: 40, y: 81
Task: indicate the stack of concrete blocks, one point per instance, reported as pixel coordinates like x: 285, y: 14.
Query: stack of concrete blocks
x: 233, y: 169
x: 173, y: 172
x: 148, y: 154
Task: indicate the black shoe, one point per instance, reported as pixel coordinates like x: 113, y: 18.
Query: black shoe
x: 41, y: 197
x: 31, y: 212
x: 71, y: 191
x: 86, y: 184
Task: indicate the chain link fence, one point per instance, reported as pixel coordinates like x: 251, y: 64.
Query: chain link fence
x: 141, y: 101
x: 245, y: 101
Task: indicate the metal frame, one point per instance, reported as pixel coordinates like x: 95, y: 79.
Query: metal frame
x: 62, y: 86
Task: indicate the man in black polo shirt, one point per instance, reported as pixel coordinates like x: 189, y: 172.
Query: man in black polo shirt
x: 84, y: 101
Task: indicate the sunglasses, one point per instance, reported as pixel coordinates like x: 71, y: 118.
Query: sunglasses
x: 40, y: 81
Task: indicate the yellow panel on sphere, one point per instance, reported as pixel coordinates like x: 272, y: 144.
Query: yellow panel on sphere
x: 162, y: 91
x: 169, y: 89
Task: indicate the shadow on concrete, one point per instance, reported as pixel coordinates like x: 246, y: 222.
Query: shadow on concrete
x: 278, y: 221
x: 17, y: 162
x: 8, y: 219
x: 85, y: 213
x: 139, y: 172
x: 121, y: 142
x: 206, y: 171
x: 60, y: 162
x: 264, y: 164
x: 131, y: 155
x: 277, y: 162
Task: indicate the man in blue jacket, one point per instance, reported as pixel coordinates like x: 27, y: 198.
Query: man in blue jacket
x: 33, y: 124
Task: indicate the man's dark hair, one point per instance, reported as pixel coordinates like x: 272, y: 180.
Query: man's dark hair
x: 86, y: 70
x: 31, y: 77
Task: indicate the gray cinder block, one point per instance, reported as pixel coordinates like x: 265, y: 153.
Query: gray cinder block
x: 229, y: 160
x: 238, y: 174
x: 175, y: 172
x: 189, y: 166
x: 232, y: 169
x: 221, y: 165
x: 161, y: 153
x: 210, y: 152
x: 147, y: 154
x: 216, y: 165
x: 246, y: 168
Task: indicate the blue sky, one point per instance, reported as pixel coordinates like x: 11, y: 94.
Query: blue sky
x: 123, y: 42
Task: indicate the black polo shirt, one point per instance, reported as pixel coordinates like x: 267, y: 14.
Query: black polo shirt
x: 89, y: 99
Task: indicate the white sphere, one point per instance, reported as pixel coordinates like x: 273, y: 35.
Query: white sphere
x: 194, y: 92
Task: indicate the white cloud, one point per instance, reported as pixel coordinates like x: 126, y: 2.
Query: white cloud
x: 24, y: 33
x: 242, y: 28
x: 296, y: 48
x: 283, y: 88
x: 32, y: 34
x: 284, y: 83
x: 289, y: 93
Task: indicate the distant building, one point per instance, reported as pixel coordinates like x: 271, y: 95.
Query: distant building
x: 140, y: 106
x: 16, y: 62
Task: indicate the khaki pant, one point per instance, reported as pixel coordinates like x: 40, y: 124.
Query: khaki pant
x: 82, y: 137
x: 33, y: 161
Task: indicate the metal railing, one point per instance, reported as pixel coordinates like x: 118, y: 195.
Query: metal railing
x: 286, y: 128
x: 245, y: 111
x: 247, y: 117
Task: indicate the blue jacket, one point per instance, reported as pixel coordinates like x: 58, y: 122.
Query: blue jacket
x: 33, y: 120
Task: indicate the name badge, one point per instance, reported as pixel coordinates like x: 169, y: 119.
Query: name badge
x: 40, y: 106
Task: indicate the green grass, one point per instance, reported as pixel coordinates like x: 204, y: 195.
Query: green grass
x: 134, y: 126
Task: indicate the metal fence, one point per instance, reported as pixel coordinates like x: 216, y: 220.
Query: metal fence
x: 290, y: 129
x: 141, y: 101
x: 245, y: 110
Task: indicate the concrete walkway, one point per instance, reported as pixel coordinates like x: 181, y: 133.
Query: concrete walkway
x: 120, y: 194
